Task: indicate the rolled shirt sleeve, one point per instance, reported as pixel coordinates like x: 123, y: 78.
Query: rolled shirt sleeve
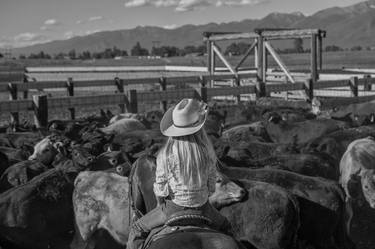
x: 211, y: 179
x: 161, y: 182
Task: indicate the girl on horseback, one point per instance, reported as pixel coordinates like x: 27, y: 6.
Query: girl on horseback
x: 185, y: 171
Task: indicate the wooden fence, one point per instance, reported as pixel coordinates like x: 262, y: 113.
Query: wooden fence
x: 129, y: 100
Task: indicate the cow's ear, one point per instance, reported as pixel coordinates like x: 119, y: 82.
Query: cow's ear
x: 109, y: 114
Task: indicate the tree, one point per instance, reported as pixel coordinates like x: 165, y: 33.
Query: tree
x: 86, y: 55
x: 59, y: 56
x: 298, y: 45
x: 356, y: 48
x: 1, y: 55
x: 333, y: 48
x: 22, y: 57
x: 232, y: 49
x: 72, y: 54
x: 137, y: 50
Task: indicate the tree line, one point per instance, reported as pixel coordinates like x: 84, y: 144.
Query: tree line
x: 235, y: 48
x: 110, y: 53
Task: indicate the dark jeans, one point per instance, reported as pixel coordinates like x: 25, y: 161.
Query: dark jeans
x: 159, y: 215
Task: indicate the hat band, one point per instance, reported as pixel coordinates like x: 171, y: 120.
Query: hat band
x: 187, y: 126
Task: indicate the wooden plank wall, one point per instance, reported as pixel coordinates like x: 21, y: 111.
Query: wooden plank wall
x: 130, y: 100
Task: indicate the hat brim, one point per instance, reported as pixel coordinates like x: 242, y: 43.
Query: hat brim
x: 167, y: 127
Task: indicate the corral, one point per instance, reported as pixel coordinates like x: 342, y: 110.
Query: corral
x: 281, y: 153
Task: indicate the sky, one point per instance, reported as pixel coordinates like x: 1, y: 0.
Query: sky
x: 27, y: 22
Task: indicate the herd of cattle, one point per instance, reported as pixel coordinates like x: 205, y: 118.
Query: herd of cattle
x: 279, y: 180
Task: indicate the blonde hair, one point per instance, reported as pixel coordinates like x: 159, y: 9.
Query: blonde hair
x: 193, y: 154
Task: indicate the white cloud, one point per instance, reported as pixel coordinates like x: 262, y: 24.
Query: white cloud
x: 89, y: 32
x: 27, y: 37
x: 238, y: 2
x: 23, y: 39
x: 79, y: 21
x: 68, y: 34
x: 170, y: 26
x: 136, y: 3
x: 51, y: 22
x: 189, y: 5
x: 95, y: 18
x: 43, y: 28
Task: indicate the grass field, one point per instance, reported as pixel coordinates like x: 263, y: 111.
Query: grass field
x: 331, y: 60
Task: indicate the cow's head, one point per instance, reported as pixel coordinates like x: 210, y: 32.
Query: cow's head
x: 81, y: 157
x: 368, y: 186
x: 44, y: 151
x: 113, y: 160
x: 226, y: 192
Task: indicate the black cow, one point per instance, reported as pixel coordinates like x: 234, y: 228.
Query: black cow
x: 284, y: 132
x: 17, y: 155
x: 335, y: 143
x: 322, y: 204
x: 4, y: 162
x: 38, y: 214
x: 113, y: 160
x: 20, y: 173
x: 358, y: 114
x: 313, y: 164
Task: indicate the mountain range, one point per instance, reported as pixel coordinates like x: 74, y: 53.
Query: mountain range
x: 346, y: 27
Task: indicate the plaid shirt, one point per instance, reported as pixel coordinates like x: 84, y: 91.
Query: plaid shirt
x: 170, y: 184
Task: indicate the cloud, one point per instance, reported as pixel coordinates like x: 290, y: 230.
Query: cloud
x: 89, y: 32
x: 68, y: 34
x: 23, y: 39
x: 79, y: 21
x: 190, y: 5
x: 170, y: 26
x: 95, y: 18
x: 136, y: 3
x: 27, y: 37
x: 51, y: 22
x: 239, y: 2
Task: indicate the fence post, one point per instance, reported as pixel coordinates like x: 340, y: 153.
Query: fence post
x: 70, y: 88
x: 25, y: 93
x: 368, y: 85
x: 40, y: 106
x: 120, y: 87
x: 133, y: 103
x: 203, y: 88
x: 163, y: 87
x: 238, y: 84
x: 309, y: 89
x: 14, y: 119
x: 260, y: 89
x: 354, y: 86
x: 313, y: 58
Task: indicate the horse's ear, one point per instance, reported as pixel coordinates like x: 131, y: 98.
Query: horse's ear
x: 354, y: 187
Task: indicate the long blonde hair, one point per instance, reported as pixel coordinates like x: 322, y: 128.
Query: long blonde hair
x: 193, y: 153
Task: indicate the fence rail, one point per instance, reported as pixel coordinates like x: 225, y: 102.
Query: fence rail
x: 129, y: 100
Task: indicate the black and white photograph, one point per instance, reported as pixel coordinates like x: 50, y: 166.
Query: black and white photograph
x: 187, y: 124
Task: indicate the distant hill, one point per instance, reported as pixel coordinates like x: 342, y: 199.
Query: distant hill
x: 346, y: 27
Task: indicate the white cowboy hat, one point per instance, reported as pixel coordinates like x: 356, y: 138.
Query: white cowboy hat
x: 185, y: 118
